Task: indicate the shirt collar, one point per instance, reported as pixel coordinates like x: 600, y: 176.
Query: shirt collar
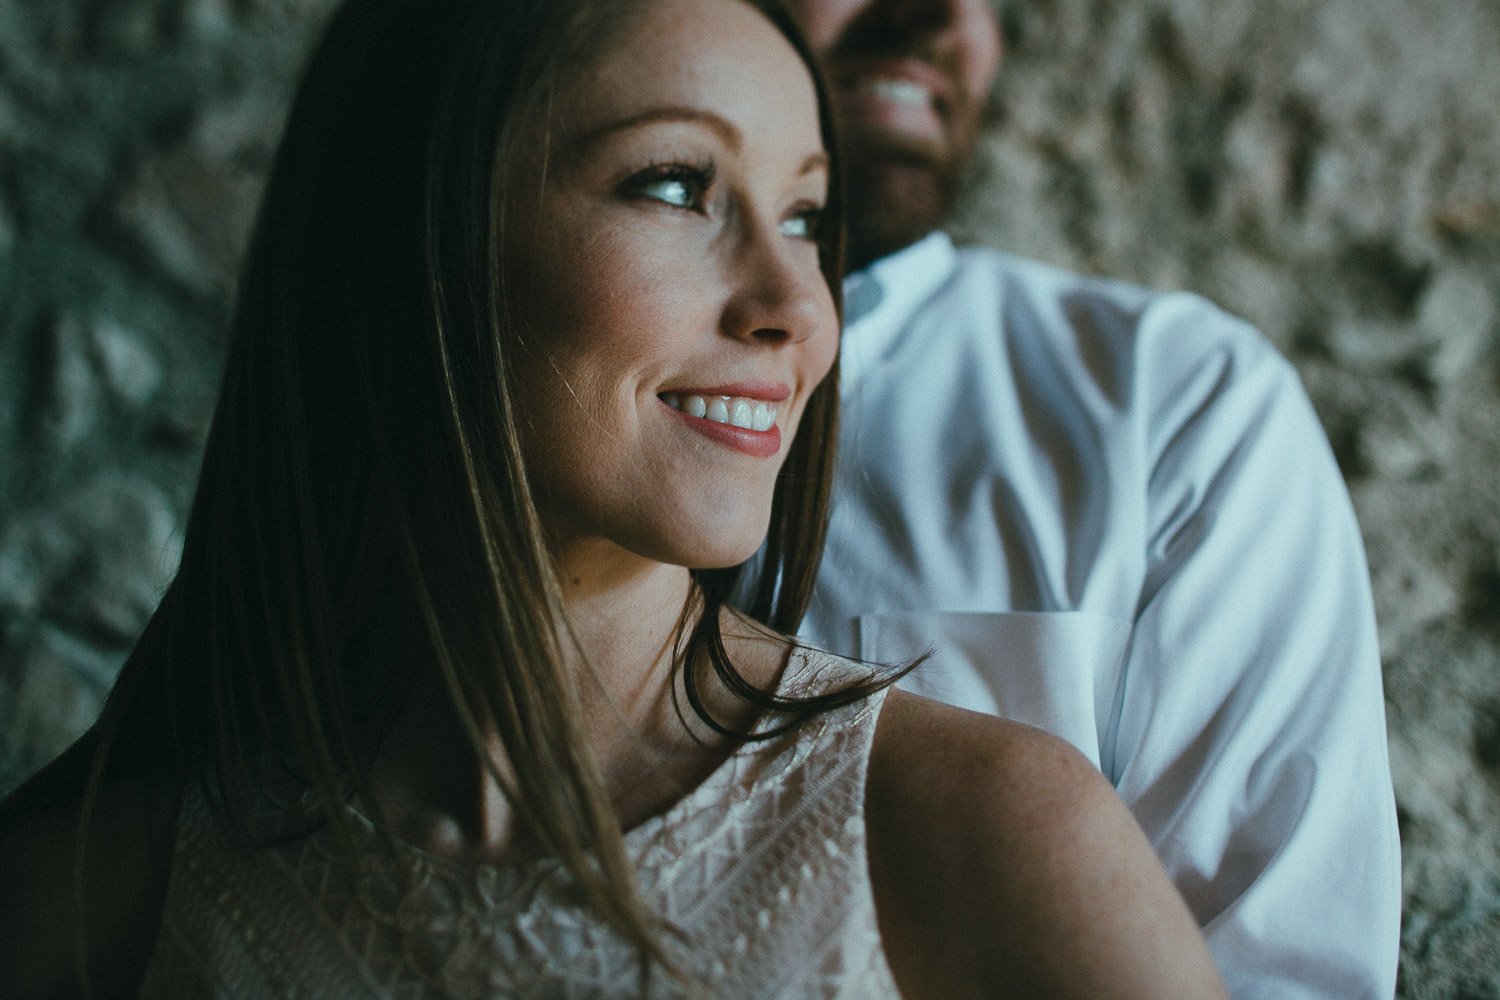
x: 879, y: 300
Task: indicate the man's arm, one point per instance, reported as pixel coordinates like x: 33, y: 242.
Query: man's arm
x: 1249, y: 739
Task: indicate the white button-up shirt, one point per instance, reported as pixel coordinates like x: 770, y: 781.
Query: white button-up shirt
x: 1113, y: 514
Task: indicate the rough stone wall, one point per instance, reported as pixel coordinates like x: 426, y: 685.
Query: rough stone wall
x: 134, y: 136
x: 1328, y: 168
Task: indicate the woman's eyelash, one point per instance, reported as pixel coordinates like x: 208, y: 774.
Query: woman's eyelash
x: 806, y: 223
x: 681, y: 185
x: 684, y: 185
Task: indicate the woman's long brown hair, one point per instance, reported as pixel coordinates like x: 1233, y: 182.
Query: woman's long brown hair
x: 363, y: 510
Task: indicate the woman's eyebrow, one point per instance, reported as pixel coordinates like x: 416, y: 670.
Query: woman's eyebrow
x: 726, y: 129
x: 813, y: 162
x: 670, y: 113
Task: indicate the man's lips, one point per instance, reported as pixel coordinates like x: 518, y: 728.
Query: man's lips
x: 902, y: 95
x: 916, y: 72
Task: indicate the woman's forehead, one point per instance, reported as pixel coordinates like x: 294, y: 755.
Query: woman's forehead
x: 718, y: 60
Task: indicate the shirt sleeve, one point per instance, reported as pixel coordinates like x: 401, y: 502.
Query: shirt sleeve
x: 1249, y: 737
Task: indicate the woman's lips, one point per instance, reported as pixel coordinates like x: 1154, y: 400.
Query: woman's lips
x: 742, y: 422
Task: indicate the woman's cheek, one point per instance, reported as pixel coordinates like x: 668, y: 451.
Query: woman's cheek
x: 629, y: 287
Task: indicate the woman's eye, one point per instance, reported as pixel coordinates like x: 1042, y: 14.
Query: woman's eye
x: 672, y: 191
x: 677, y: 185
x: 805, y: 225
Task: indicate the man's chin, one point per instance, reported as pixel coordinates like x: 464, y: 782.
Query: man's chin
x: 894, y: 201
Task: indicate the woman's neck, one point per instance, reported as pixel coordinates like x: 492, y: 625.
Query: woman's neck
x: 623, y: 621
x: 623, y: 614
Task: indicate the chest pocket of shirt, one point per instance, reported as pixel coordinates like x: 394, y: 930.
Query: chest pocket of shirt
x: 1062, y: 671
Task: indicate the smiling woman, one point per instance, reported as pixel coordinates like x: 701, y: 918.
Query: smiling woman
x: 533, y: 350
x: 673, y: 256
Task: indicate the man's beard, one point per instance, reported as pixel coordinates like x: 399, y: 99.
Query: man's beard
x: 895, y: 195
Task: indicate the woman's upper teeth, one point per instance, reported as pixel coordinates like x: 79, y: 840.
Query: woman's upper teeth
x: 737, y: 411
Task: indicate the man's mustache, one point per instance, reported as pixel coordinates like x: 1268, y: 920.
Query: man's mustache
x: 872, y: 38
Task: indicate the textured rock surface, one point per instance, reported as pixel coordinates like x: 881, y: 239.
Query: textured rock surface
x: 1329, y: 169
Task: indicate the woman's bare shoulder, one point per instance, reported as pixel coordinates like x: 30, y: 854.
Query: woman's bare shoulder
x: 127, y: 862
x: 1000, y: 855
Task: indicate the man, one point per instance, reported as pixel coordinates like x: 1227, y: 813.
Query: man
x: 1110, y: 513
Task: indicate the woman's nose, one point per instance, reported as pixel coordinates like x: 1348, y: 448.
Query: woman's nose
x: 779, y: 295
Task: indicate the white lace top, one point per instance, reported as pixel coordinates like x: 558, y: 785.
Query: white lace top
x: 762, y: 867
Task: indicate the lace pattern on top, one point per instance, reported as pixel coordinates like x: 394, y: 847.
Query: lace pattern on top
x: 762, y: 867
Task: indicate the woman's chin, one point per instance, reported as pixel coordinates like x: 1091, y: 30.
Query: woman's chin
x: 723, y: 558
x: 715, y: 550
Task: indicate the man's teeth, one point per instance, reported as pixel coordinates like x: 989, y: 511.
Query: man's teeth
x: 736, y: 411
x: 897, y: 91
